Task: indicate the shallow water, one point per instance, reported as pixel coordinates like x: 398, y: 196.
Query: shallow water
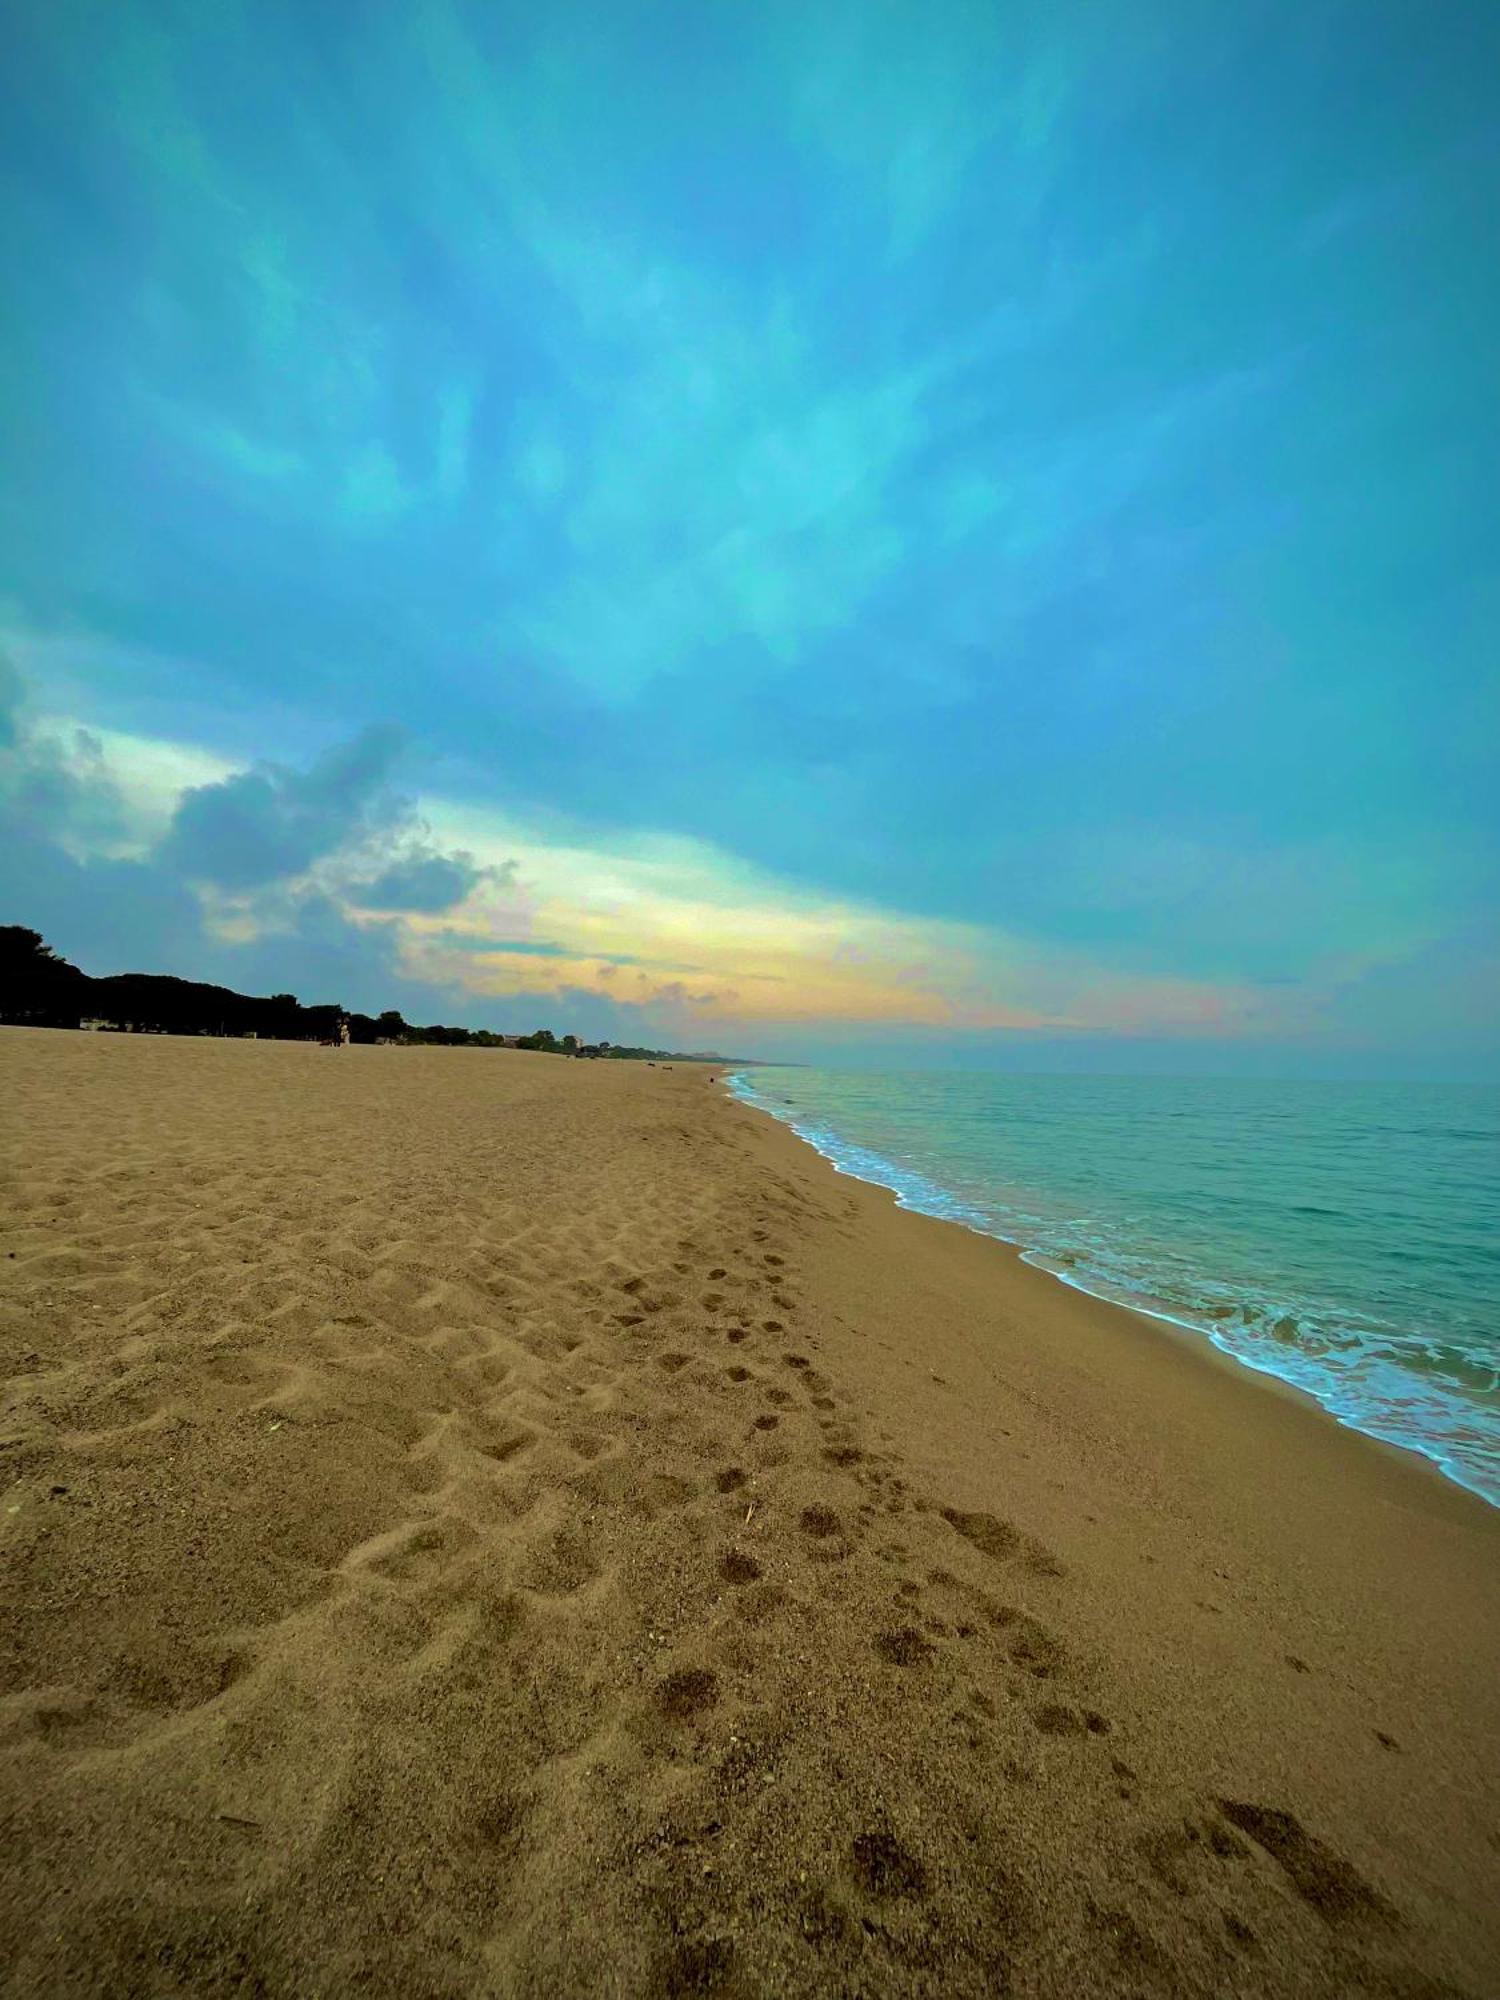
x: 1343, y: 1236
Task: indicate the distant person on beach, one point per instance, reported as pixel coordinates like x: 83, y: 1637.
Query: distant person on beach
x: 343, y: 1031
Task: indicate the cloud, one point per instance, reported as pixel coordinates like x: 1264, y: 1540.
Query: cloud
x: 520, y: 947
x: 904, y: 102
x: 263, y: 825
x: 373, y: 493
x: 322, y: 954
x: 10, y: 701
x: 56, y: 786
x: 107, y: 915
x: 428, y: 882
x: 68, y: 796
x: 737, y: 487
x: 1442, y: 1001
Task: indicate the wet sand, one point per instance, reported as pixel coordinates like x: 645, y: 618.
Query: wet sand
x: 475, y: 1523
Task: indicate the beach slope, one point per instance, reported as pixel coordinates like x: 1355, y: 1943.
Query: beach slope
x: 477, y: 1523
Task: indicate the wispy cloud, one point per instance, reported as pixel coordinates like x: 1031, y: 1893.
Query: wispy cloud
x: 907, y: 101
x: 881, y: 514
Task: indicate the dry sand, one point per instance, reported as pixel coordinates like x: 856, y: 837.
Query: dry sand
x: 481, y: 1524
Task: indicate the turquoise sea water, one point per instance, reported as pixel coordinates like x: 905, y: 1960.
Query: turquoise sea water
x: 1344, y: 1236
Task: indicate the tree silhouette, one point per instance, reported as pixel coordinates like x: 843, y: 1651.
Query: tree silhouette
x: 36, y: 985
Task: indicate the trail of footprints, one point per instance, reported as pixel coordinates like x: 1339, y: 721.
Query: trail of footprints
x: 973, y: 1621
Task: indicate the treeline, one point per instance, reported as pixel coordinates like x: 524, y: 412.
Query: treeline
x: 40, y: 989
x: 569, y: 1045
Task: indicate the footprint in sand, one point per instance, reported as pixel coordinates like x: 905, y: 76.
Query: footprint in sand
x: 819, y: 1521
x: 1320, y: 1876
x: 903, y: 1648
x: 1032, y: 1647
x: 688, y: 1692
x: 1055, y: 1718
x: 506, y: 1448
x: 738, y: 1568
x: 884, y: 1869
x: 1001, y: 1542
x: 561, y: 1565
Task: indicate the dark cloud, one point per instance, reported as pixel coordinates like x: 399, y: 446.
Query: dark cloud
x: 138, y: 916
x: 521, y: 947
x: 57, y: 801
x: 322, y: 956
x: 108, y: 916
x: 429, y: 883
x: 265, y: 825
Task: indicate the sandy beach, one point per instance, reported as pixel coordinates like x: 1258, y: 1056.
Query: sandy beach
x: 476, y: 1523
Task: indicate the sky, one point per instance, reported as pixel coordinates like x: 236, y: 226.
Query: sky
x: 875, y: 533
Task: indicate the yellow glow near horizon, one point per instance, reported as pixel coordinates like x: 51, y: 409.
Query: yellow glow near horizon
x: 706, y: 936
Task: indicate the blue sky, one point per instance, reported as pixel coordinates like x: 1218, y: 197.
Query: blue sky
x: 874, y: 532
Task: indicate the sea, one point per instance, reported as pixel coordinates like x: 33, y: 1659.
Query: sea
x: 1342, y: 1236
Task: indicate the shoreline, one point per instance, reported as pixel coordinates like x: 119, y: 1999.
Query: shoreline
x: 475, y: 1522
x: 1203, y: 1337
x: 1136, y: 1321
x: 1139, y: 1324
